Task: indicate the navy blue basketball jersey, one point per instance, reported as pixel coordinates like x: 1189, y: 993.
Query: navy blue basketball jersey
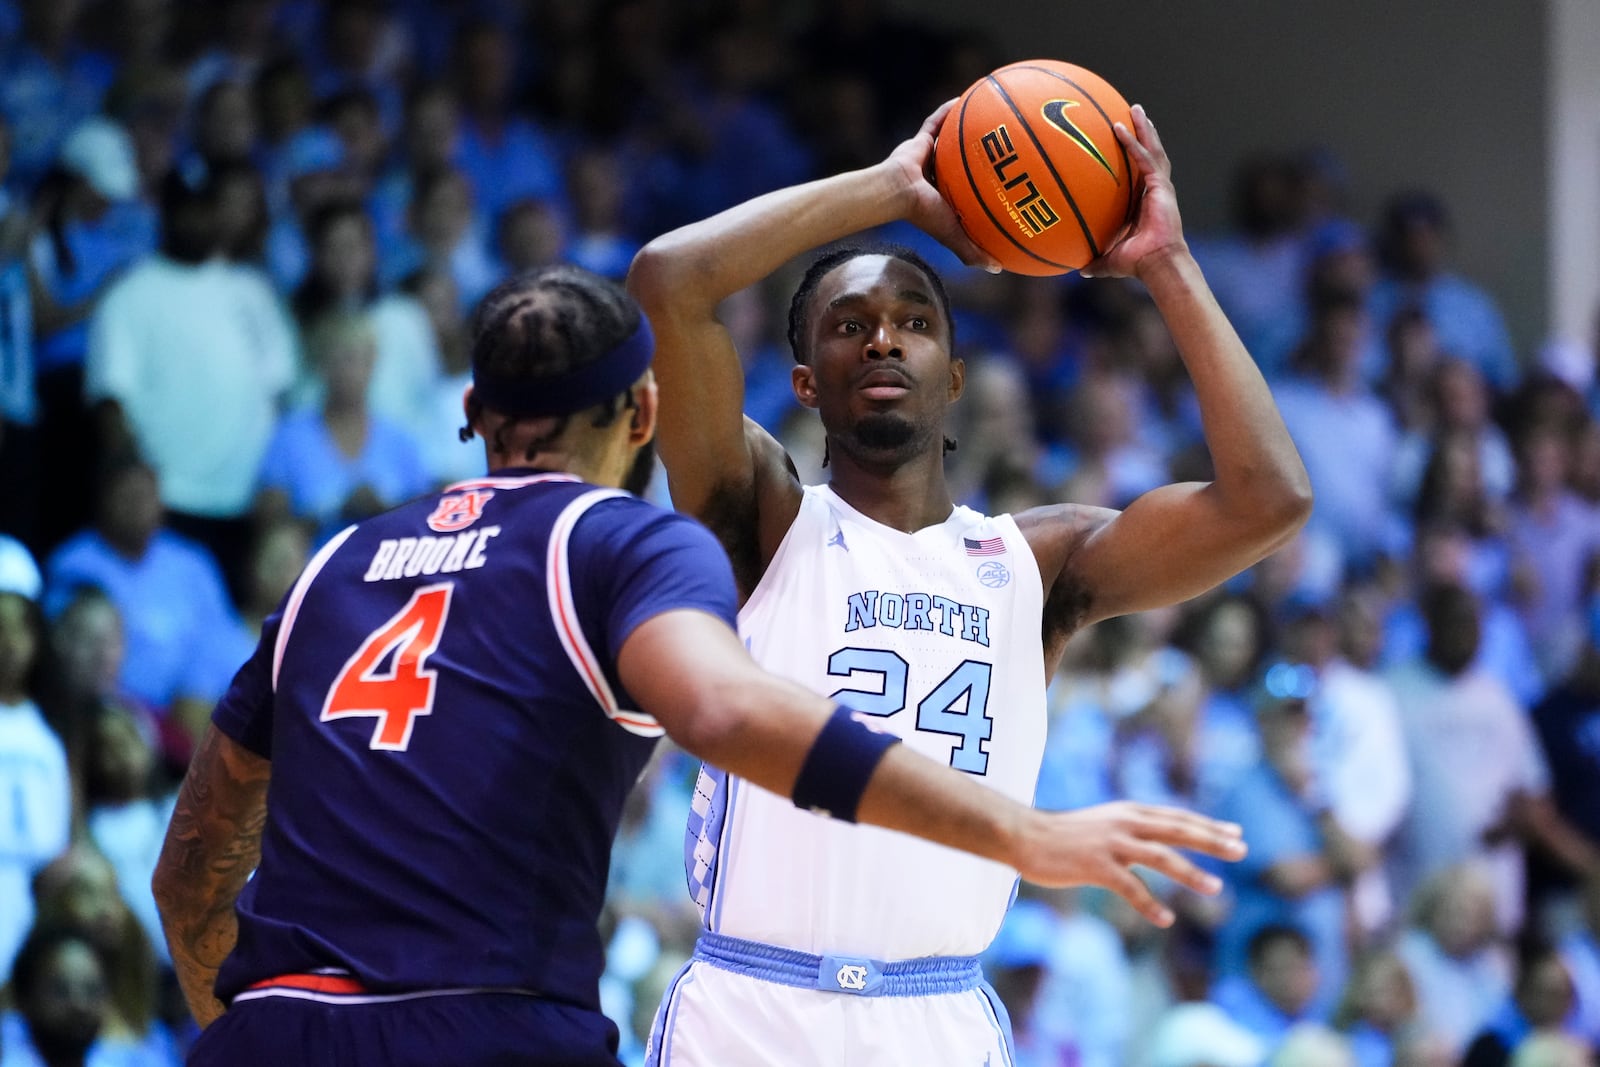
x: 451, y: 745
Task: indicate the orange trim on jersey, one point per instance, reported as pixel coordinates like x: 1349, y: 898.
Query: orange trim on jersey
x: 316, y: 983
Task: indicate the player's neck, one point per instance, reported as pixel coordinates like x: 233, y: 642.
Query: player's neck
x: 909, y: 497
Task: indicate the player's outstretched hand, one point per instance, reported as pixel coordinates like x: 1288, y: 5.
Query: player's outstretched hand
x: 1101, y: 845
x: 1156, y: 225
x: 926, y: 209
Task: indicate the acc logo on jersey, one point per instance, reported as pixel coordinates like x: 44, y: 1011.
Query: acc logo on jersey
x: 457, y: 511
x: 994, y: 574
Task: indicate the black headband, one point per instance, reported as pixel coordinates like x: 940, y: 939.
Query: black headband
x: 575, y: 390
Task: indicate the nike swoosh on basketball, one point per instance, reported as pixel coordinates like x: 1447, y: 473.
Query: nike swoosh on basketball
x: 1055, y: 113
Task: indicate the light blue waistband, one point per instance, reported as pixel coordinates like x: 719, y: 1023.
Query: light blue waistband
x: 858, y: 976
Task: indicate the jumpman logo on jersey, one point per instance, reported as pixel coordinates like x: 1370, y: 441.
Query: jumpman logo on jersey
x: 838, y: 539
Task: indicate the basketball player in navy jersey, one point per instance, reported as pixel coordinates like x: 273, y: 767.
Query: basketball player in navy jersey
x: 940, y: 623
x: 450, y: 707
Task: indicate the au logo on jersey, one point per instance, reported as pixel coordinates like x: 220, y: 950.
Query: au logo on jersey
x: 1055, y: 113
x: 1019, y: 194
x: 457, y: 511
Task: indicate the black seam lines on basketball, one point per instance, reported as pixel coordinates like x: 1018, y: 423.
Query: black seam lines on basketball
x: 1094, y: 249
x: 1127, y: 167
x: 983, y: 201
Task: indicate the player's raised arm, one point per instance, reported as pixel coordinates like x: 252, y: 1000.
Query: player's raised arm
x: 681, y: 277
x: 1179, y: 540
x: 689, y: 670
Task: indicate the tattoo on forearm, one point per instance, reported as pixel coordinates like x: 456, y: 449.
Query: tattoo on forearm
x: 213, y: 844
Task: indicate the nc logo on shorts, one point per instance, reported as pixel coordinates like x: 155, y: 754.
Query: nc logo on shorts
x: 845, y: 974
x: 994, y: 574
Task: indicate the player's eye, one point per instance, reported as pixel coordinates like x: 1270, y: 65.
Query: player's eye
x: 849, y: 326
x: 918, y: 323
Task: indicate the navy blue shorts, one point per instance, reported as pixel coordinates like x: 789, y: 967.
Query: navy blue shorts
x: 473, y: 1030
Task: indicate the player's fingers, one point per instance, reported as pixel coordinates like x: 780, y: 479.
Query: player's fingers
x: 1141, y: 155
x: 1150, y: 139
x: 1127, y: 885
x: 1184, y: 829
x: 931, y: 124
x: 1173, y: 864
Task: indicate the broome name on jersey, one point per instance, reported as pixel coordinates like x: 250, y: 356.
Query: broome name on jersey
x: 407, y: 557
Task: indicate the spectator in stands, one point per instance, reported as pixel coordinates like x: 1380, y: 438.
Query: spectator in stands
x: 20, y: 457
x: 343, y: 280
x: 428, y: 143
x: 505, y: 156
x: 225, y: 127
x: 35, y: 791
x: 1413, y: 251
x: 1343, y: 431
x: 77, y: 891
x: 1481, y: 783
x: 179, y: 623
x: 1456, y: 403
x: 241, y: 48
x: 1227, y: 634
x: 1568, y: 724
x: 1279, y: 989
x: 1197, y: 1034
x: 1378, y: 1008
x: 596, y: 187
x: 353, y: 116
x: 181, y: 334
x: 444, y: 454
x: 1301, y: 861
x: 1540, y: 1002
x: 1580, y: 951
x: 129, y: 799
x: 280, y: 552
x: 93, y: 228
x: 1452, y: 950
x: 337, y: 462
x: 242, y: 219
x: 59, y: 987
x: 529, y: 235
x: 1018, y: 964
x: 1258, y: 268
x: 48, y: 84
x: 1359, y: 756
x: 1107, y: 463
x: 1555, y: 535
x: 444, y: 230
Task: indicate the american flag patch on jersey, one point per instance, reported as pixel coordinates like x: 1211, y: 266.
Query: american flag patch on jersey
x: 989, y: 546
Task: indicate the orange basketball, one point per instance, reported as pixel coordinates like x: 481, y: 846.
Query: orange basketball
x: 1030, y: 163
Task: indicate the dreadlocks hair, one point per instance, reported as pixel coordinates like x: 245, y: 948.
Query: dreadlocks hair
x: 843, y: 254
x: 545, y: 323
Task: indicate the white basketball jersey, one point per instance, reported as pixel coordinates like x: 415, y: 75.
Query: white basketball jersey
x: 938, y: 632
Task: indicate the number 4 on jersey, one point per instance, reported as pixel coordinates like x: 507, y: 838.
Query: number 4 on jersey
x: 398, y: 695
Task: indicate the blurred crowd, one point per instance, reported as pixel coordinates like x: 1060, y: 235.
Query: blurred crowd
x: 240, y: 243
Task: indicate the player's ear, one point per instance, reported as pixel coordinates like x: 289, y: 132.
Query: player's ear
x: 469, y: 428
x: 958, y: 378
x: 805, y: 385
x: 646, y: 400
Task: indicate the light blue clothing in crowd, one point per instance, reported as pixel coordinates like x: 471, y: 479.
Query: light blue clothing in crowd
x: 101, y: 249
x: 1504, y: 649
x: 521, y: 162
x: 306, y: 464
x: 1279, y: 826
x: 129, y: 836
x: 1249, y: 1007
x: 1347, y: 443
x: 42, y: 102
x: 1465, y: 320
x: 180, y: 627
x: 35, y: 815
x: 19, y: 401
x: 1456, y: 998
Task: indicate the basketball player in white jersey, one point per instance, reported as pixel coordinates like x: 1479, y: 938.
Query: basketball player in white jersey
x: 838, y: 944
